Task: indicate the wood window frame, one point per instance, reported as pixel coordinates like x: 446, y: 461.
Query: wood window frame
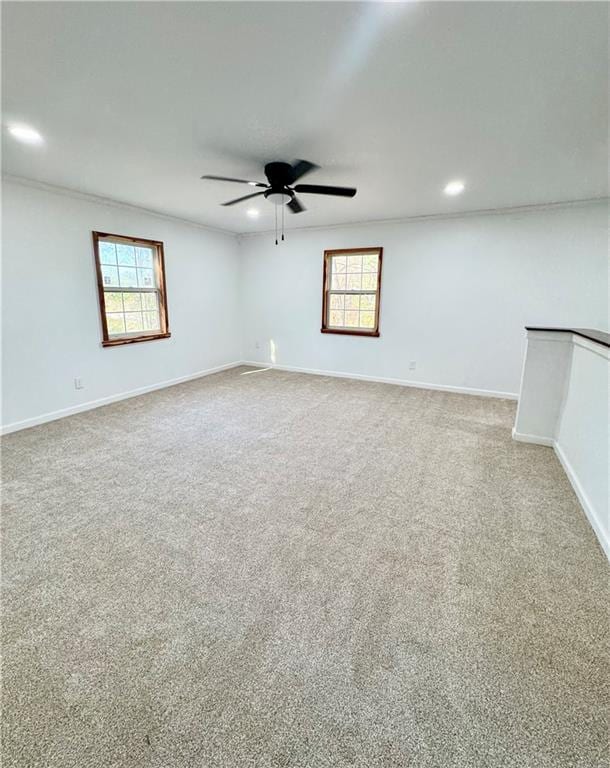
x: 328, y: 254
x: 159, y: 267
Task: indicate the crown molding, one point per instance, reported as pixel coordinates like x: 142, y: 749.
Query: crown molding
x: 100, y: 200
x: 516, y: 209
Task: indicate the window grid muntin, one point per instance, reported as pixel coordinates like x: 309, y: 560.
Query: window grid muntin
x: 144, y: 313
x: 343, y: 310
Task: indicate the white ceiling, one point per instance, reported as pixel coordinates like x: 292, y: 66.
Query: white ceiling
x: 137, y: 100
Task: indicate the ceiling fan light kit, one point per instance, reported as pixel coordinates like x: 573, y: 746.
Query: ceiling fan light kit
x: 279, y: 198
x: 281, y: 189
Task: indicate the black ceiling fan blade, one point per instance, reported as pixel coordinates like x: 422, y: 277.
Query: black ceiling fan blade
x: 245, y: 197
x: 238, y: 181
x: 296, y: 206
x: 301, y: 167
x: 316, y: 189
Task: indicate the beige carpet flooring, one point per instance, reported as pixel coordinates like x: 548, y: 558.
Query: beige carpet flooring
x: 275, y: 569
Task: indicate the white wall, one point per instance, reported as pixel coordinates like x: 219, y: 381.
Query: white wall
x: 456, y: 294
x: 581, y: 438
x: 51, y: 323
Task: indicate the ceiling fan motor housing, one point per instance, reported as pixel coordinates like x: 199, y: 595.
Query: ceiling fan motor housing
x: 279, y: 175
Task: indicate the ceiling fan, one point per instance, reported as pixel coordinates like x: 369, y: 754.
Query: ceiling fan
x: 281, y: 188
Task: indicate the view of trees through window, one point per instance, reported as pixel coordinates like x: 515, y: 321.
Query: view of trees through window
x: 129, y: 267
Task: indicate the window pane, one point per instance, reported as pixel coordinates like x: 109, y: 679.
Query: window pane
x: 336, y: 318
x: 352, y: 302
x: 151, y: 321
x: 367, y: 319
x: 338, y: 263
x: 115, y: 323
x: 128, y: 277
x: 144, y: 257
x: 145, y: 278
x: 149, y: 301
x: 369, y: 262
x: 367, y: 301
x: 351, y: 319
x: 354, y: 263
x: 369, y: 282
x: 338, y: 282
x: 132, y: 302
x: 110, y: 275
x: 107, y: 253
x: 113, y: 302
x: 133, y: 322
x: 126, y: 255
x: 337, y: 301
x: 354, y: 282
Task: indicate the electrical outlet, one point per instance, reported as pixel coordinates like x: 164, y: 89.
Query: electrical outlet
x: 412, y: 365
x: 257, y: 345
x: 78, y: 383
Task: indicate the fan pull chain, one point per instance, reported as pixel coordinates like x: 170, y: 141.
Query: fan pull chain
x: 283, y: 206
x: 275, y: 206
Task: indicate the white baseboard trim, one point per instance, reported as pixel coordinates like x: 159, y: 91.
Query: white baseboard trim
x: 580, y: 492
x: 584, y: 500
x: 383, y: 380
x: 536, y: 439
x: 91, y: 404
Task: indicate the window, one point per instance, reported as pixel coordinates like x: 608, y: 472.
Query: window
x: 352, y: 285
x: 131, y: 287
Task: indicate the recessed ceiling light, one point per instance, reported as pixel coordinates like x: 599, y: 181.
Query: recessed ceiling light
x: 252, y: 213
x: 25, y: 134
x: 454, y: 188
